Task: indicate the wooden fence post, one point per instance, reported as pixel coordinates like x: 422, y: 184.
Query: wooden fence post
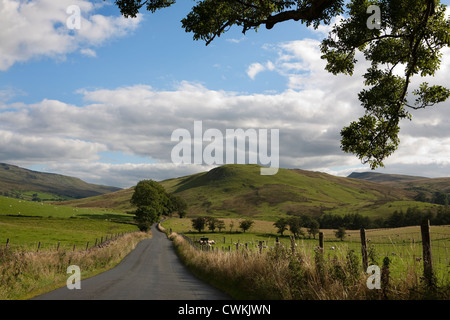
x: 7, y: 243
x: 293, y: 244
x: 364, y: 249
x: 39, y: 245
x: 426, y: 244
x: 321, y: 240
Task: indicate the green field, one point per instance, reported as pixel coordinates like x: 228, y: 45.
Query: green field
x: 27, y: 223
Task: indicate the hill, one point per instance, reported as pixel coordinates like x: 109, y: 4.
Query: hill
x: 383, y: 177
x: 27, y: 184
x: 240, y: 190
x: 427, y: 186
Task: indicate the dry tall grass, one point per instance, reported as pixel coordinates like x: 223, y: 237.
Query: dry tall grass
x: 26, y: 274
x: 280, y: 274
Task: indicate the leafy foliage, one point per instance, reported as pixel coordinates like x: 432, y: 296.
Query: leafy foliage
x: 152, y: 201
x: 246, y: 224
x: 340, y: 233
x: 199, y: 223
x: 409, y: 41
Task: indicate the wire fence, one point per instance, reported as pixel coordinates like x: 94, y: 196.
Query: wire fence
x: 407, y: 248
x: 37, y: 246
x: 403, y: 246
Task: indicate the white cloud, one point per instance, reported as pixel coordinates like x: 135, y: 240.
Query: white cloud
x: 235, y: 40
x: 88, y: 52
x: 33, y: 148
x: 38, y: 28
x: 139, y: 120
x: 124, y: 175
x: 254, y: 69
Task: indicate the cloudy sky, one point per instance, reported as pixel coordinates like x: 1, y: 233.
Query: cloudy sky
x: 101, y: 102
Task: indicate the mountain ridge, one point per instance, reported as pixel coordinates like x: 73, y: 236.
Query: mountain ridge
x: 426, y: 188
x: 20, y: 182
x: 383, y: 177
x: 241, y: 191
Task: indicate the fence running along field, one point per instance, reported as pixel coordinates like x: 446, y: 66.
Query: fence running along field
x: 404, y: 247
x: 60, y: 245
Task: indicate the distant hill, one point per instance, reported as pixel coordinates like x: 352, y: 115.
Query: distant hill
x: 383, y: 177
x: 240, y: 190
x: 27, y: 184
x: 428, y: 186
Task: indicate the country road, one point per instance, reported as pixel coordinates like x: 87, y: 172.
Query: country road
x: 152, y: 271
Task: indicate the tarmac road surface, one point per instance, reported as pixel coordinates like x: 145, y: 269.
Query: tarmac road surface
x: 152, y: 271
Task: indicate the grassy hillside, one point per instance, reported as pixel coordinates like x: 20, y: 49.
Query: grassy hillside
x: 240, y: 190
x: 118, y: 201
x: 383, y: 177
x: 429, y: 186
x: 26, y: 184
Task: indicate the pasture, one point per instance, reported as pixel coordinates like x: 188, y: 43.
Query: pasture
x: 26, y: 224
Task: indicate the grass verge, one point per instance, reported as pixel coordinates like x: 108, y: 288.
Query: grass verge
x: 280, y: 274
x: 24, y: 274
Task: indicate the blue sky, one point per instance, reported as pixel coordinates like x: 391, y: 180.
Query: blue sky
x: 158, y: 53
x: 100, y: 103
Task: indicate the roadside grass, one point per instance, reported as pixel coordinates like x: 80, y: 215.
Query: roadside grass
x: 280, y: 274
x: 65, y: 236
x: 25, y: 274
x: 402, y: 246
